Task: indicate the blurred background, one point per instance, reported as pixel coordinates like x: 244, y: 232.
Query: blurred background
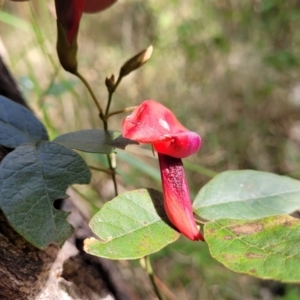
x: 228, y: 69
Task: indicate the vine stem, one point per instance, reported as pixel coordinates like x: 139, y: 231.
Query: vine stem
x: 110, y: 94
x: 146, y: 264
x: 112, y: 168
x: 83, y: 80
x: 104, y: 118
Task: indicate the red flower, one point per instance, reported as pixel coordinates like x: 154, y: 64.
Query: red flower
x: 69, y: 13
x: 153, y: 123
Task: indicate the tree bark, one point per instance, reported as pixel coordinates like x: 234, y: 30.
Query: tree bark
x: 51, y: 274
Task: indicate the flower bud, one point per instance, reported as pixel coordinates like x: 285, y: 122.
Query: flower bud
x: 136, y: 61
x: 110, y: 82
x: 67, y: 53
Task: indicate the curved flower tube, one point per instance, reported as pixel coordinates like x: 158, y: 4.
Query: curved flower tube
x: 153, y: 123
x: 177, y: 201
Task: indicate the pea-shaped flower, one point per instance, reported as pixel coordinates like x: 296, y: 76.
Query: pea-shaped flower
x: 153, y: 123
x: 69, y: 13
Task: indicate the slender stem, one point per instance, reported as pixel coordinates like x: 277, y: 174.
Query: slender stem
x: 111, y: 170
x: 110, y: 93
x: 105, y: 125
x: 113, y: 173
x: 127, y: 109
x: 91, y: 92
x: 151, y: 274
x: 101, y: 170
x: 40, y: 37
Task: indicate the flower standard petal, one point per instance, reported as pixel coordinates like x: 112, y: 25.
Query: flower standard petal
x: 177, y: 201
x: 146, y: 124
x: 153, y: 123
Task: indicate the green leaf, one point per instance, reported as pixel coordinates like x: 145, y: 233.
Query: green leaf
x: 131, y: 226
x: 247, y: 195
x: 266, y: 248
x: 93, y: 140
x: 31, y: 178
x: 18, y: 125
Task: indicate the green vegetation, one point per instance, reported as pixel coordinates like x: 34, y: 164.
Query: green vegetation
x: 229, y: 70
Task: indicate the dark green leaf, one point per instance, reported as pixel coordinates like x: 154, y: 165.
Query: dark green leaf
x: 131, y: 226
x: 93, y: 141
x: 31, y: 178
x: 18, y: 125
x: 247, y: 195
x: 266, y: 248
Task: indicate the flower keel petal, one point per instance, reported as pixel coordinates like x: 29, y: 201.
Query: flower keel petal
x: 180, y: 145
x: 177, y: 201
